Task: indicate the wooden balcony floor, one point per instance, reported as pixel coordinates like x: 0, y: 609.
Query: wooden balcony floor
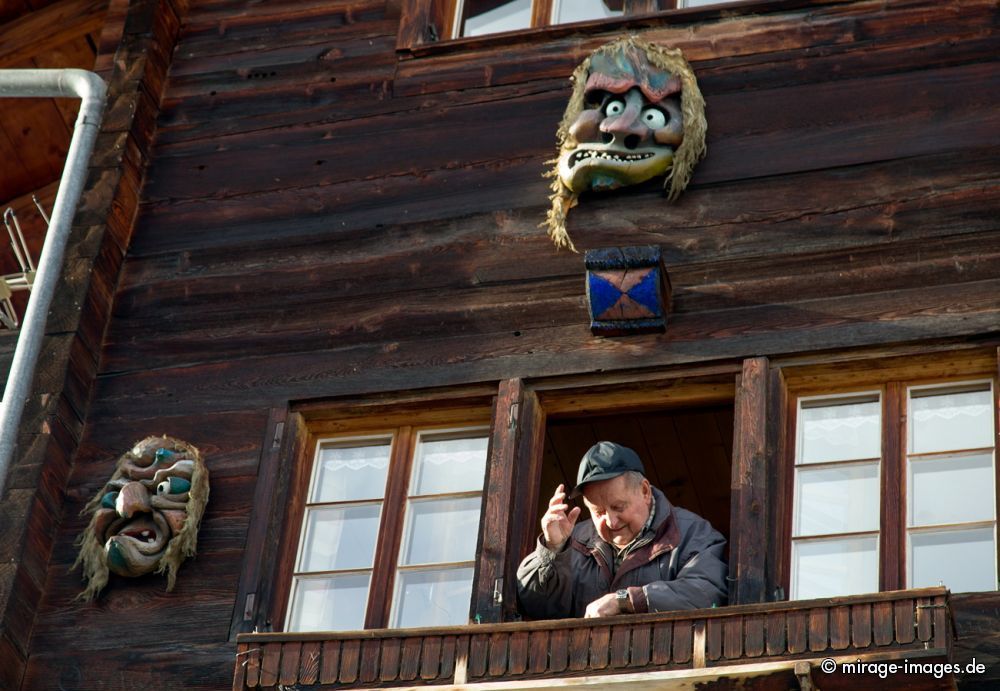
x: 777, y: 645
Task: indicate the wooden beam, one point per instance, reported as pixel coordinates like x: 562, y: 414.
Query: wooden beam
x: 498, y: 505
x: 527, y: 476
x: 43, y: 30
x: 748, y: 541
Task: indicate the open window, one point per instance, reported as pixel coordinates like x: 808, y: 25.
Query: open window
x: 687, y: 453
x: 414, y: 509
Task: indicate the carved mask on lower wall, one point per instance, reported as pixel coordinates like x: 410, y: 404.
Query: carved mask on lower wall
x: 636, y: 113
x: 146, y: 517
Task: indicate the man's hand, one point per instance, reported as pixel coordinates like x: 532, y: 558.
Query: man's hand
x: 557, y: 525
x: 604, y: 606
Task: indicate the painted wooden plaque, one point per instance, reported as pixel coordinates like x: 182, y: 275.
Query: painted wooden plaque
x: 628, y: 290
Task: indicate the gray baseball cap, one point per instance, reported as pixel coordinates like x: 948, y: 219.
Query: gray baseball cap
x: 603, y: 461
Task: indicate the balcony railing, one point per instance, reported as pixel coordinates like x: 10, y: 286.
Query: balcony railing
x: 907, y: 624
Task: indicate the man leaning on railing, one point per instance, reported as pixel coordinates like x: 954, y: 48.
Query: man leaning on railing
x: 637, y: 554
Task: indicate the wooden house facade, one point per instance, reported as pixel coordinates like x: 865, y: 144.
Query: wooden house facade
x: 314, y: 225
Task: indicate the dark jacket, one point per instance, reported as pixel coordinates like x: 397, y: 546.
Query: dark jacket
x: 680, y: 566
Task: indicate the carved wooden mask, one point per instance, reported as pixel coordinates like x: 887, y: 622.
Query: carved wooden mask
x: 146, y: 516
x: 636, y: 113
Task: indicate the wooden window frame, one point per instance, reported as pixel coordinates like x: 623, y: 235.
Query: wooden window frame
x: 286, y: 469
x: 516, y: 413
x: 892, y: 376
x: 428, y: 22
x: 403, y: 441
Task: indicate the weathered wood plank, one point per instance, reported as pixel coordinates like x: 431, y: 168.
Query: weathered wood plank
x: 350, y: 654
x: 713, y: 639
x: 478, y: 655
x: 498, y: 654
x: 409, y: 664
x: 498, y: 492
x: 904, y: 619
x: 239, y: 675
x: 579, y: 650
x: 448, y: 653
x: 662, y: 643
x: 517, y: 659
x: 732, y: 641
x: 797, y: 630
x: 538, y: 652
x: 289, y: 672
x: 861, y: 625
x: 309, y: 662
x: 682, y: 646
x: 819, y: 629
x: 640, y: 645
x: 430, y: 658
x: 329, y: 671
x: 838, y: 322
x: 47, y: 28
x: 558, y: 650
x: 753, y: 645
x: 600, y: 645
x: 269, y: 664
x: 620, y: 642
x: 840, y: 627
x: 369, y: 661
x: 253, y: 667
x: 925, y: 619
x: 882, y: 625
x: 749, y: 543
x: 776, y: 633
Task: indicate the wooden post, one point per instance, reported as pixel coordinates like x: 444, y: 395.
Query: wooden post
x: 749, y: 533
x: 511, y: 490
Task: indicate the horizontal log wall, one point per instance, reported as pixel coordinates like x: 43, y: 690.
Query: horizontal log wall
x: 324, y: 217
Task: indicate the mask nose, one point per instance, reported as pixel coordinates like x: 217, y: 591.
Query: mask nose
x: 626, y: 129
x: 132, y: 499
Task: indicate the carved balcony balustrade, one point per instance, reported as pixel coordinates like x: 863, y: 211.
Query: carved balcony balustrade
x: 776, y: 645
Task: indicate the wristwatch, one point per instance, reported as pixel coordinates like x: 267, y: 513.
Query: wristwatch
x: 624, y: 605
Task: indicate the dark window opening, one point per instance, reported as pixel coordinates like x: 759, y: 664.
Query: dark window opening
x: 688, y: 455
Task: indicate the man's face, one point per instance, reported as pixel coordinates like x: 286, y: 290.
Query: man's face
x: 619, y: 509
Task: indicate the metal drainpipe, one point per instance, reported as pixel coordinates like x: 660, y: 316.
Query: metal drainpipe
x: 67, y: 83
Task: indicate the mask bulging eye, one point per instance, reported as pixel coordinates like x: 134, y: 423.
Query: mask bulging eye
x: 614, y: 107
x: 173, y: 485
x: 653, y: 118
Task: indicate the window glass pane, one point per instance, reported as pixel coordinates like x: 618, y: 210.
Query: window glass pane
x: 438, y: 597
x: 449, y: 465
x: 330, y: 603
x: 827, y: 568
x: 441, y: 530
x: 840, y: 432
x: 341, y: 537
x: 565, y: 11
x: 964, y: 560
x: 953, y: 489
x: 951, y: 421
x: 346, y: 473
x: 840, y: 499
x: 492, y: 16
